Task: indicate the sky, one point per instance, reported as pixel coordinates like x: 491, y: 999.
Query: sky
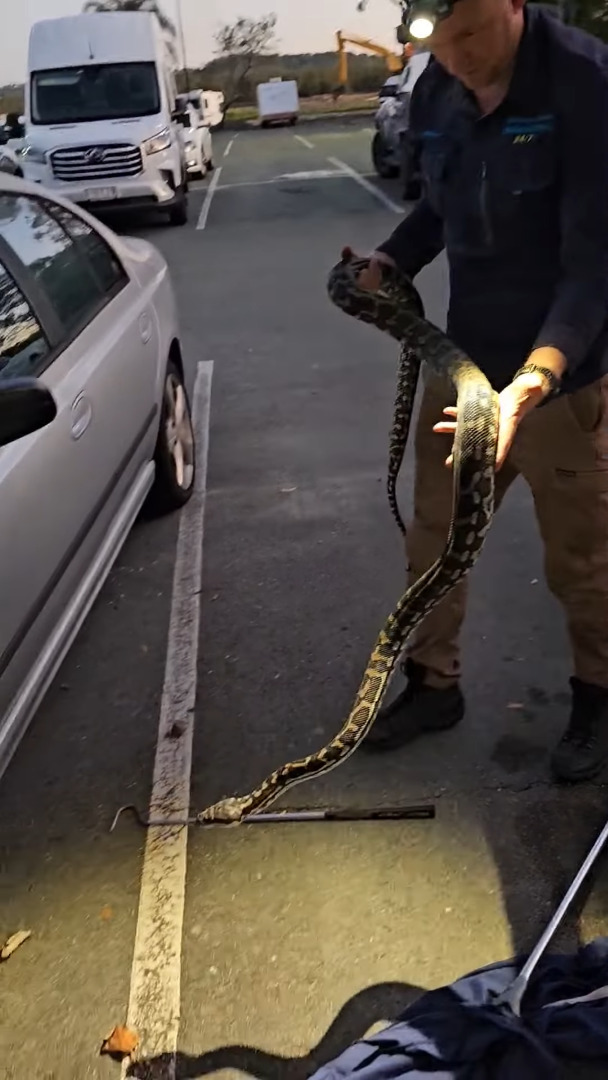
x: 297, y: 29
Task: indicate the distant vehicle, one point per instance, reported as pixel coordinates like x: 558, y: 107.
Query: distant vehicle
x: 9, y: 161
x: 12, y: 133
x: 100, y: 103
x: 91, y: 316
x: 392, y: 152
x: 278, y: 102
x: 196, y: 138
x: 210, y: 104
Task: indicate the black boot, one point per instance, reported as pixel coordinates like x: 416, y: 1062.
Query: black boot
x: 416, y: 711
x: 583, y: 748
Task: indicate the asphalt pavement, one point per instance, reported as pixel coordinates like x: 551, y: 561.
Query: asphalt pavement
x: 297, y: 938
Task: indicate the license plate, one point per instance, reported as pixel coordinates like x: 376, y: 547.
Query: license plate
x: 100, y: 194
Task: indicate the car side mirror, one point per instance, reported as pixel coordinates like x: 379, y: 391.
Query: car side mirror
x: 25, y: 406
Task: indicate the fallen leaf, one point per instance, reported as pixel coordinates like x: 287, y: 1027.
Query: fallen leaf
x: 106, y: 913
x: 515, y: 705
x: 13, y: 942
x: 120, y: 1041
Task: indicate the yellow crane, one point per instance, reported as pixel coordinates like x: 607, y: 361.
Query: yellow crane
x: 394, y: 62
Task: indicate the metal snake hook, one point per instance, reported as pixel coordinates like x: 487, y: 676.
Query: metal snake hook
x: 423, y: 812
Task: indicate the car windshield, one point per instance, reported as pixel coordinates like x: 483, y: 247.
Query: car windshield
x: 94, y: 92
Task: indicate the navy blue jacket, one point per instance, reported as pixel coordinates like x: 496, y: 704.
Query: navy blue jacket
x: 458, y: 1033
x: 519, y: 199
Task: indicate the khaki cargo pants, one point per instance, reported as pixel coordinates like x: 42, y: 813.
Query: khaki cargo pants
x: 561, y: 450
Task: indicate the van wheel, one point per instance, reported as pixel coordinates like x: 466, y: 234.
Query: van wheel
x: 175, y: 454
x: 178, y: 214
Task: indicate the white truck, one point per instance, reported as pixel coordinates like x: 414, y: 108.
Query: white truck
x: 100, y: 117
x: 278, y: 101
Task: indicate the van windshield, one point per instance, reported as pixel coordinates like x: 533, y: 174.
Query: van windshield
x: 94, y: 92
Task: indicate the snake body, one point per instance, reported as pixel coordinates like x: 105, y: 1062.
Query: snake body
x: 396, y: 309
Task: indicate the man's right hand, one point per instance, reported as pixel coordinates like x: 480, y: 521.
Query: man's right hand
x: 371, y: 278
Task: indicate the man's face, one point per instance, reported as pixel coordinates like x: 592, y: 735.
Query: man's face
x: 475, y: 43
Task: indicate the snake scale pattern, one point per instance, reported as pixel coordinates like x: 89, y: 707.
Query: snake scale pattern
x: 396, y: 309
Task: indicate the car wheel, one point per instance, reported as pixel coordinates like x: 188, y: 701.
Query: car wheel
x: 178, y: 214
x: 381, y: 165
x: 175, y: 456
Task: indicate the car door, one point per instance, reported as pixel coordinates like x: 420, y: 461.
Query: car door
x: 71, y: 315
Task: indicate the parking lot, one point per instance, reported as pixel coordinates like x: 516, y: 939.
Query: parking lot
x: 296, y: 939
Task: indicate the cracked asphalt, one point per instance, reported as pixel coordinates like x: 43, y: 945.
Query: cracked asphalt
x: 297, y: 938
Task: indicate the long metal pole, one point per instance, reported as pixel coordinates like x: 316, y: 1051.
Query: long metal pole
x: 180, y: 24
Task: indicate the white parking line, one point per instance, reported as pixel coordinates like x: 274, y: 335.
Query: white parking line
x: 318, y: 174
x: 229, y: 148
x: 377, y: 192
x: 205, y: 208
x: 154, y: 1001
x: 304, y: 142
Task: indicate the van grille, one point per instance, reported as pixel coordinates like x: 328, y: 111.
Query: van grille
x: 96, y: 162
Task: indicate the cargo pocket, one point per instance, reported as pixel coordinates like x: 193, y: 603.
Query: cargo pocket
x: 589, y: 409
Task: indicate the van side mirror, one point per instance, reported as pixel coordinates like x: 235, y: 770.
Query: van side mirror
x: 25, y: 406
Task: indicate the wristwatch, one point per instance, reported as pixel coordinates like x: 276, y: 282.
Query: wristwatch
x: 535, y: 369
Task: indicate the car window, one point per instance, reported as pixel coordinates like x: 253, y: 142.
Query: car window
x: 23, y: 346
x: 45, y: 248
x: 104, y: 261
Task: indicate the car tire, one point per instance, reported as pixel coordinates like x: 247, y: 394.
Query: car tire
x: 175, y: 453
x: 382, y: 167
x: 178, y: 214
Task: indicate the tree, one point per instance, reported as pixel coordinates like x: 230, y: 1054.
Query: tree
x: 166, y: 24
x: 241, y: 44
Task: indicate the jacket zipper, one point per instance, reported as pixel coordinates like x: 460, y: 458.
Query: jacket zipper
x: 485, y: 212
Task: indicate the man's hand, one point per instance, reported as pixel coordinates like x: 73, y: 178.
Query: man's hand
x: 371, y: 278
x: 516, y: 400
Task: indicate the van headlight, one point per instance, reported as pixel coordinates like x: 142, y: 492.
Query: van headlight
x: 33, y: 154
x: 159, y: 142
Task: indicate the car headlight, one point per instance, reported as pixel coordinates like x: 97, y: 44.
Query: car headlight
x: 159, y: 142
x: 34, y: 154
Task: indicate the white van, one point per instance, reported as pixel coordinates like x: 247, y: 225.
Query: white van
x: 99, y: 118
x: 210, y: 105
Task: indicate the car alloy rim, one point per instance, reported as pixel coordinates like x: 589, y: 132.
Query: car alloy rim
x: 178, y: 431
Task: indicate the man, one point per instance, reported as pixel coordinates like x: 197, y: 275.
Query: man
x: 512, y: 121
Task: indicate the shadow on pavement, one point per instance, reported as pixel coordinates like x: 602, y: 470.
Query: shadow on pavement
x: 383, y: 1002
x: 373, y: 1005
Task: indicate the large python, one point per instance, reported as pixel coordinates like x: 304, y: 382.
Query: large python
x: 396, y: 309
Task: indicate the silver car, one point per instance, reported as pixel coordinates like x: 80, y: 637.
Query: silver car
x: 91, y: 317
